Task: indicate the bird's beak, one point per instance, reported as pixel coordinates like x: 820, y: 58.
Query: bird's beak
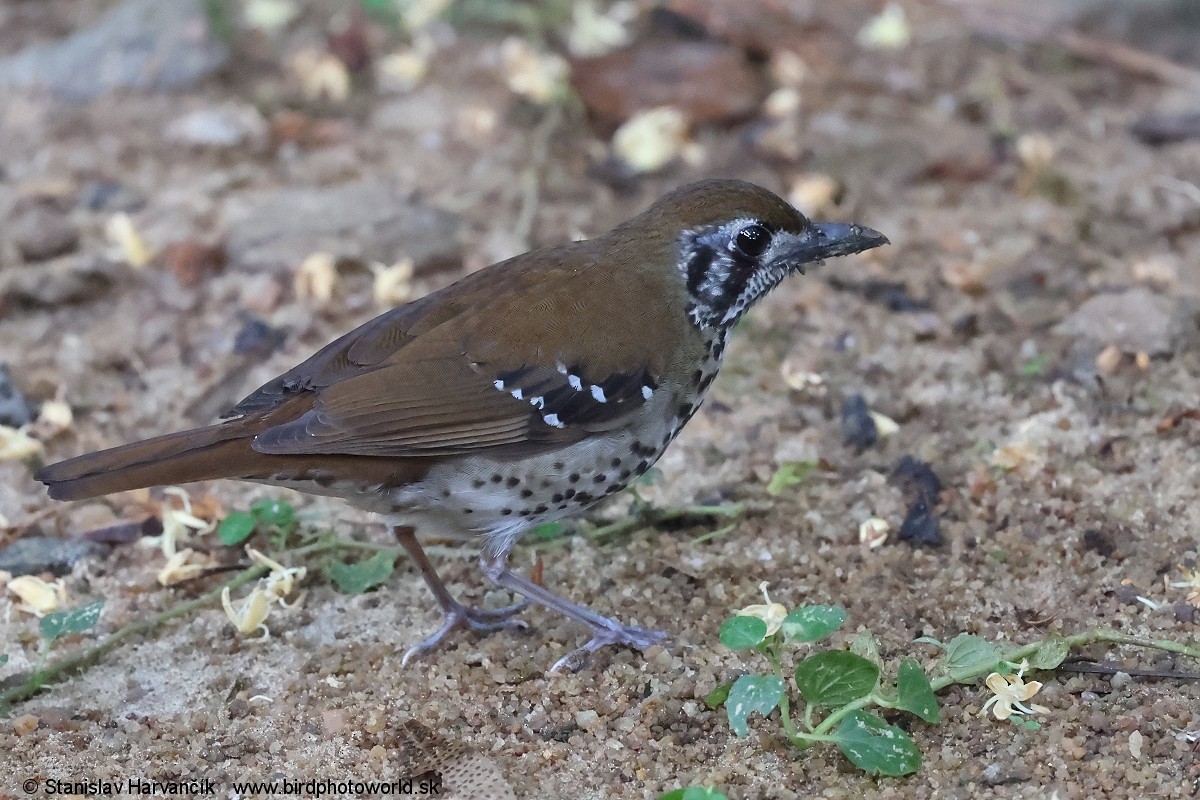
x: 829, y: 239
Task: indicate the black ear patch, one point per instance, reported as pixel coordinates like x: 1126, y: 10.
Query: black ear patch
x: 697, y: 267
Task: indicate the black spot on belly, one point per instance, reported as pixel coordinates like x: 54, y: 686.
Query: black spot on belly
x: 477, y: 483
x: 525, y: 493
x: 584, y: 497
x: 616, y: 462
x: 625, y: 473
x: 556, y: 498
x: 497, y: 477
x: 569, y: 493
x: 642, y: 466
x: 504, y: 512
x: 573, y: 477
x: 512, y: 483
x: 601, y: 478
x: 541, y: 509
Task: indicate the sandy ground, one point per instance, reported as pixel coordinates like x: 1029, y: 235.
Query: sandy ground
x: 1038, y: 249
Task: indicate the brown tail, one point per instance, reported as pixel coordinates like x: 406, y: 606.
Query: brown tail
x: 218, y: 451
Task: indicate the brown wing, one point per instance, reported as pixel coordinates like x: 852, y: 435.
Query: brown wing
x: 474, y: 367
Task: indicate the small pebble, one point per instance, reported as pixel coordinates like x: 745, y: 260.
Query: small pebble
x: 25, y: 724
x: 41, y: 233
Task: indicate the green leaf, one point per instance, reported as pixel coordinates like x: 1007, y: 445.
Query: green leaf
x: 810, y: 623
x: 751, y: 693
x: 1050, y: 653
x: 269, y: 511
x: 1025, y: 722
x: 968, y: 657
x: 833, y: 678
x: 694, y: 793
x: 1035, y: 366
x: 77, y: 620
x: 547, y: 531
x: 236, y: 528
x: 790, y: 474
x: 873, y: 745
x: 915, y: 693
x: 3, y: 659
x: 864, y: 644
x: 718, y: 695
x: 649, y: 477
x: 742, y: 633
x: 363, y: 575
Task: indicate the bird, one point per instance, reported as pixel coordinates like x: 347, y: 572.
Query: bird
x: 524, y: 393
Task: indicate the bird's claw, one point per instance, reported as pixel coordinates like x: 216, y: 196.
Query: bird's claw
x: 641, y: 638
x: 477, y: 619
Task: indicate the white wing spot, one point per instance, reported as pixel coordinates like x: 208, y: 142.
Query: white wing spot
x: 517, y: 394
x: 538, y: 402
x: 598, y: 394
x: 499, y: 385
x: 552, y: 420
x: 561, y: 367
x: 646, y: 392
x: 575, y: 381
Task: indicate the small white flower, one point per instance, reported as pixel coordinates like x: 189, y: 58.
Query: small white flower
x: 180, y: 566
x: 1010, y: 692
x: 281, y: 580
x: 768, y: 612
x: 177, y: 522
x: 249, y: 617
x: 37, y: 596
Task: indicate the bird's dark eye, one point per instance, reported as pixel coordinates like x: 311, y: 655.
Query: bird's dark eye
x: 753, y: 240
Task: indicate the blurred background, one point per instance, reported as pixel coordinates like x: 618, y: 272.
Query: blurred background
x: 197, y: 194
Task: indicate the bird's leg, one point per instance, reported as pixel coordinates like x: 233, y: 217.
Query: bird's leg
x: 605, y: 631
x: 456, y: 614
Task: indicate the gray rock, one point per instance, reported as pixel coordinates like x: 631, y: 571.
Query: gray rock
x: 15, y: 410
x: 35, y: 554
x: 40, y: 233
x: 140, y: 44
x: 70, y: 279
x: 224, y: 126
x: 110, y: 196
x: 368, y: 221
x: 1136, y: 320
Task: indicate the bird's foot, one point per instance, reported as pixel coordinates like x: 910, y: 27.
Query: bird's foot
x: 476, y: 619
x: 603, y: 636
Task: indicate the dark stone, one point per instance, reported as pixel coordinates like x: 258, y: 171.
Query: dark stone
x: 15, y: 410
x: 36, y: 554
x: 858, y: 428
x: 916, y: 478
x: 920, y: 524
x: 41, y: 232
